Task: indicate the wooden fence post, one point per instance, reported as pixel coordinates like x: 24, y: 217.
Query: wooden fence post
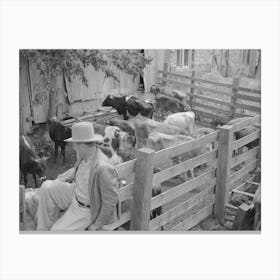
x: 59, y: 104
x: 235, y: 85
x: 164, y: 74
x: 192, y: 81
x: 223, y: 171
x: 259, y: 154
x: 22, y: 210
x: 142, y: 190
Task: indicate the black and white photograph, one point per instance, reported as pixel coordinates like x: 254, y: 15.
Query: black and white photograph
x: 140, y: 139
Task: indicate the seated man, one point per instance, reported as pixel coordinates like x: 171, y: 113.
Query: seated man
x: 87, y: 192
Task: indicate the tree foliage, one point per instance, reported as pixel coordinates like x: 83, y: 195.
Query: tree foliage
x: 71, y: 63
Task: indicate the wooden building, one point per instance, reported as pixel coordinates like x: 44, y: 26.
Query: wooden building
x: 74, y: 97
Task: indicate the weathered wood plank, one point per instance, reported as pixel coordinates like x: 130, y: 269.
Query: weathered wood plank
x: 253, y: 183
x: 245, y: 156
x: 91, y: 117
x: 249, y: 90
x: 212, y: 108
x: 248, y: 107
x: 211, y: 116
x: 142, y: 190
x: 175, y: 82
x: 164, y: 73
x: 231, y: 207
x: 243, y: 193
x: 248, y: 121
x: 211, y: 99
x: 181, y: 209
x: 197, y: 79
x: 223, y: 170
x: 165, y: 197
x: 125, y: 192
x: 248, y: 97
x: 246, y: 139
x: 22, y: 207
x: 126, y: 169
x: 183, y: 167
x: 240, y: 187
x: 192, y: 80
x: 194, y: 219
x: 168, y: 153
x: 229, y: 218
x: 243, y: 171
x: 243, y: 211
x: 235, y: 84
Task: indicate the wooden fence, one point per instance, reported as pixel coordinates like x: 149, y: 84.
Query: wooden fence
x: 227, y: 177
x: 213, y: 100
x: 206, y: 194
x: 188, y: 203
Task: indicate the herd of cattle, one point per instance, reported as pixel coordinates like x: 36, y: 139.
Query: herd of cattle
x: 137, y: 129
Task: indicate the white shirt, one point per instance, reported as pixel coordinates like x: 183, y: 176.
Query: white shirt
x: 82, y: 178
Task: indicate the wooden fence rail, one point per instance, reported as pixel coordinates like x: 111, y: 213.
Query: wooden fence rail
x: 202, y: 196
x: 233, y: 100
x: 226, y: 176
x: 199, y: 197
x: 183, y: 76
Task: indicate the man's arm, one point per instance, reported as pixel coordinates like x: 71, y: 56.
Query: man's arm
x: 108, y: 184
x: 69, y: 175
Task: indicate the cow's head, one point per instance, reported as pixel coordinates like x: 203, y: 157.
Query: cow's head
x: 187, y: 108
x: 155, y: 89
x: 108, y: 101
x: 111, y: 139
x: 41, y: 164
x: 127, y: 141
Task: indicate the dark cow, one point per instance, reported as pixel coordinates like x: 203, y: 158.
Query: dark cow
x: 58, y: 133
x: 136, y: 106
x: 156, y: 89
x: 132, y: 105
x: 119, y: 103
x: 168, y: 103
x: 30, y: 162
x: 179, y: 95
x: 159, y: 89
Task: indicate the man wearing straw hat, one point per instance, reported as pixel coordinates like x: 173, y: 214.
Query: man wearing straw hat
x: 87, y: 192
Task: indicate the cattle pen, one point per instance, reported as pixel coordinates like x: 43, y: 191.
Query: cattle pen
x: 209, y: 192
x: 226, y: 171
x: 216, y: 101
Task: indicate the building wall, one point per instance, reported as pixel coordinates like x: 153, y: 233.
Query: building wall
x: 202, y: 60
x: 151, y: 70
x: 25, y: 118
x: 75, y: 97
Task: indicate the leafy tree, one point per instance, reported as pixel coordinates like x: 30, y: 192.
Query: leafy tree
x: 71, y: 64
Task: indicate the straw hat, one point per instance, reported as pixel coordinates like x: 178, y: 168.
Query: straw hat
x: 83, y: 132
